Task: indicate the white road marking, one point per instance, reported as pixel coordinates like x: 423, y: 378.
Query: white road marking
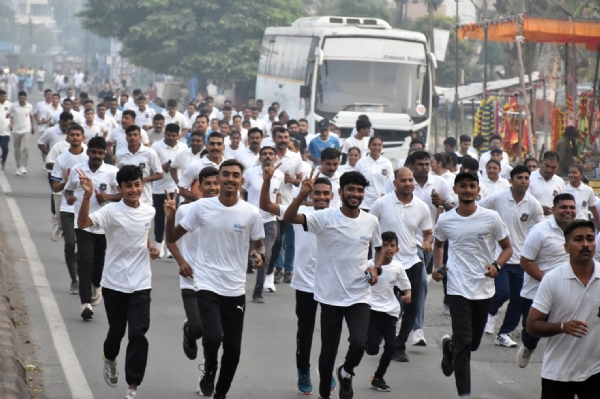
x: 58, y: 330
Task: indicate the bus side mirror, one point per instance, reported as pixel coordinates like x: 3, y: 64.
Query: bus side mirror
x: 435, y: 101
x: 304, y: 91
x: 319, y: 55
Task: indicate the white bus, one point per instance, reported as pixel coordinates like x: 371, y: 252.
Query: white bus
x: 339, y: 68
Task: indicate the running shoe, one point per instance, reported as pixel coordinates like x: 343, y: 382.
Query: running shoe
x: 304, y: 384
x: 447, y: 362
x: 278, y: 275
x: 287, y: 277
x: 490, y: 326
x: 23, y: 170
x: 346, y: 391
x: 505, y: 340
x: 74, y: 288
x: 219, y: 396
x: 111, y: 375
x: 131, y: 394
x: 523, y: 356
x: 86, y: 312
x: 207, y: 382
x: 379, y: 384
x: 258, y: 298
x: 445, y: 310
x: 56, y: 234
x: 269, y: 285
x: 96, y: 295
x: 400, y: 356
x: 190, y: 346
x: 418, y: 338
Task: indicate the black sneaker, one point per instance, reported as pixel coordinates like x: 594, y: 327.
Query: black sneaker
x: 447, y: 362
x: 287, y: 277
x: 346, y: 391
x: 258, y: 298
x: 219, y: 396
x: 400, y: 356
x: 379, y: 385
x: 190, y: 347
x: 278, y: 276
x: 207, y: 383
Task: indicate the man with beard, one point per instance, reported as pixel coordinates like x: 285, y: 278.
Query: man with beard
x: 253, y: 183
x: 545, y: 184
x: 472, y: 233
x: 214, y: 158
x: 330, y: 161
x: 342, y: 275
x: 566, y: 311
x: 543, y: 251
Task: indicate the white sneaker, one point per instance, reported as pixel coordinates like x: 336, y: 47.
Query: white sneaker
x: 131, y: 394
x: 490, y: 326
x: 161, y: 249
x: 96, y: 295
x: 18, y: 172
x: 418, y: 338
x: 56, y: 234
x: 523, y: 356
x: 269, y: 285
x: 23, y: 170
x: 86, y: 312
x: 505, y: 340
x: 168, y: 254
x: 445, y: 310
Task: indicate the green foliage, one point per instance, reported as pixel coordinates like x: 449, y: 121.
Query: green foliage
x: 217, y: 40
x: 359, y: 8
x: 467, y: 50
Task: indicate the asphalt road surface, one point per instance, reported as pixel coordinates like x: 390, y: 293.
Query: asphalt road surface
x: 70, y: 350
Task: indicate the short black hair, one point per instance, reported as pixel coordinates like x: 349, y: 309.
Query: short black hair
x: 355, y: 149
x: 525, y: 162
x: 443, y: 158
x: 65, y: 116
x: 416, y: 141
x: 133, y: 128
x: 171, y: 103
x: 451, y: 141
x: 578, y: 167
x: 197, y: 133
x: 45, y: 91
x: 388, y: 236
x: 330, y: 153
x: 496, y: 151
x: 470, y: 164
x: 292, y: 122
x: 464, y: 138
x: 172, y: 127
x: 97, y: 142
x: 452, y: 158
x: 517, y: 170
x: 207, y: 172
x: 494, y: 161
x: 158, y: 117
x: 232, y: 162
x: 551, y: 155
x: 217, y: 135
x: 562, y: 197
x: 128, y: 112
x: 576, y: 224
x: 494, y: 137
x: 223, y: 122
x: 255, y: 130
x: 129, y: 173
x: 323, y: 180
x: 75, y: 126
x: 22, y: 94
x: 419, y: 155
x: 353, y: 177
x: 362, y: 124
x: 234, y: 131
x: 267, y: 147
x: 373, y: 138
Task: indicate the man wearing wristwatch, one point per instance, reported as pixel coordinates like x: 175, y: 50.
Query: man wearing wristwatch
x: 520, y: 211
x: 472, y: 232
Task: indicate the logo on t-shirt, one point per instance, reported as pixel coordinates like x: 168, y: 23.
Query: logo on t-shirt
x: 555, y: 193
x: 483, y: 235
x: 103, y: 187
x: 142, y: 166
x: 239, y: 228
x: 147, y: 225
x: 584, y: 204
x: 364, y: 240
x: 384, y: 172
x: 524, y: 217
x: 275, y: 191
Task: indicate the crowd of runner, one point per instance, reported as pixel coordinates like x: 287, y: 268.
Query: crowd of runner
x: 230, y: 193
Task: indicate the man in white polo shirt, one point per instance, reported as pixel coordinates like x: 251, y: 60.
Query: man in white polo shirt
x: 544, y: 184
x: 406, y: 215
x: 118, y: 137
x: 249, y: 155
x: 215, y: 147
x: 543, y: 251
x: 566, y: 309
x: 227, y: 225
x: 176, y: 117
x: 472, y: 232
x: 583, y: 194
x: 520, y: 211
x: 91, y: 127
x: 21, y: 127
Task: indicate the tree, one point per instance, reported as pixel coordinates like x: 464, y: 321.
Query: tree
x: 218, y: 40
x: 359, y: 8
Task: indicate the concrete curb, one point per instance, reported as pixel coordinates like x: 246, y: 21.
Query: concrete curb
x: 13, y: 379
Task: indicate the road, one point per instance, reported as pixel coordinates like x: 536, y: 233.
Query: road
x: 70, y: 350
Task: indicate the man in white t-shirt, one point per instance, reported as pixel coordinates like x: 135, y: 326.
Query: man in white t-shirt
x: 91, y: 127
x: 405, y: 214
x: 214, y: 158
x: 253, y: 183
x: 61, y: 170
x: 21, y: 127
x: 105, y: 119
x: 520, y: 211
x: 494, y: 142
x: 167, y: 150
x: 127, y: 277
x: 465, y: 147
x: 157, y: 132
x: 67, y: 106
x: 584, y: 195
x: 4, y: 126
x: 330, y: 162
x: 249, y: 155
x: 41, y: 110
x: 185, y: 158
x: 176, y: 117
x: 143, y: 114
x: 227, y: 226
x: 545, y: 184
x: 78, y: 80
x: 91, y: 242
x: 235, y: 145
x: 40, y: 76
x: 566, y: 310
x: 118, y: 137
x: 303, y: 280
x: 543, y: 251
x: 342, y: 274
x: 360, y: 140
x: 472, y: 233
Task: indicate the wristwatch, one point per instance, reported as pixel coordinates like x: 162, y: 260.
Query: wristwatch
x: 497, y: 266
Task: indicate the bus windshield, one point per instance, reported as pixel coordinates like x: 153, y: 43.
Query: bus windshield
x: 370, y: 86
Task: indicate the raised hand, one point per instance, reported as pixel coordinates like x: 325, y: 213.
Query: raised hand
x: 85, y: 182
x: 308, y: 184
x: 269, y: 171
x: 170, y: 205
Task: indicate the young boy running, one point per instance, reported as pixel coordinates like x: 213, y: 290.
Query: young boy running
x: 127, y: 275
x: 385, y: 308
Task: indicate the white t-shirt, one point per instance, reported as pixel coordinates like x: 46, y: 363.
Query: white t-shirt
x: 165, y: 154
x: 52, y: 136
x: 305, y: 254
x: 424, y: 194
x: 147, y: 159
x: 184, y: 159
x: 472, y: 152
x: 335, y: 187
x: 225, y: 232
x: 486, y: 156
x: 342, y: 250
x: 78, y: 79
x: 187, y: 245
x: 545, y: 191
x: 230, y: 153
x: 108, y: 122
x: 292, y: 164
x: 96, y: 130
x: 362, y: 144
x: 190, y: 174
x: 144, y: 118
x: 518, y: 218
x: 499, y: 185
x: 105, y: 182
x: 116, y: 116
x: 40, y: 75
x: 471, y: 246
x: 21, y: 117
x: 376, y: 172
x: 306, y: 169
x: 247, y: 158
x: 405, y: 221
x: 4, y: 121
x: 61, y: 171
x: 346, y: 168
x: 253, y: 182
x: 563, y: 297
x: 77, y: 117
x: 127, y: 262
x: 178, y: 119
x: 41, y: 110
x: 545, y: 246
x: 383, y: 298
x: 118, y: 136
x: 584, y: 198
